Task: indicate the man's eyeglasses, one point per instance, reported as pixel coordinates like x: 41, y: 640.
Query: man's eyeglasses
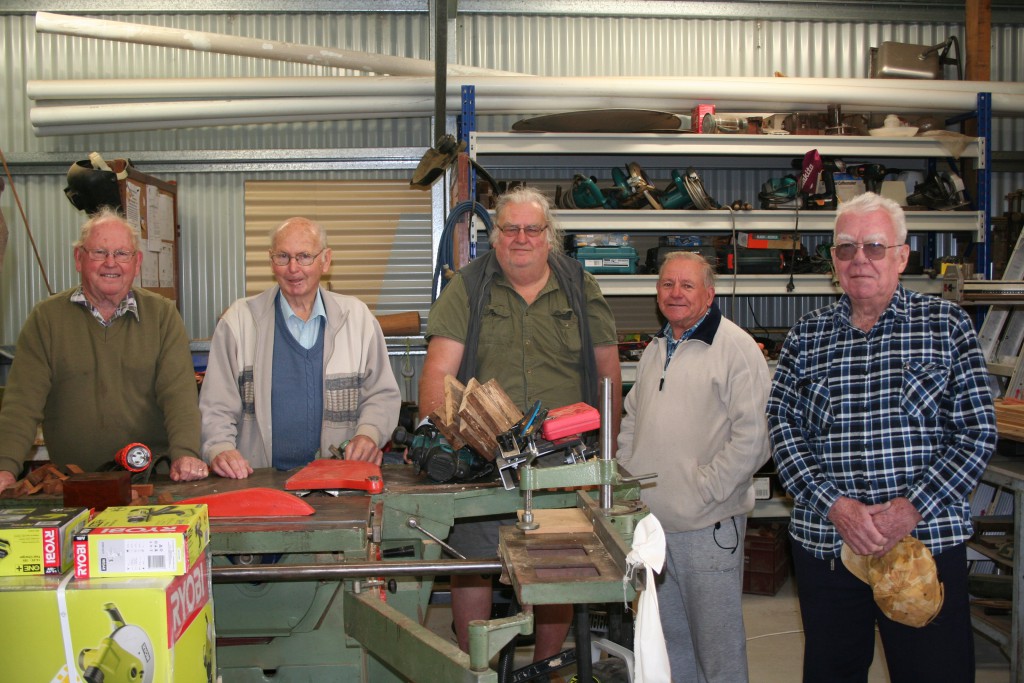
x: 530, y: 230
x: 280, y: 258
x: 120, y: 255
x: 875, y: 251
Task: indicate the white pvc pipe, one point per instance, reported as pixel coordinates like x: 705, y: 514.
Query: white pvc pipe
x: 135, y: 126
x: 309, y: 109
x: 773, y: 94
x: 132, y: 126
x: 202, y: 41
x: 318, y: 86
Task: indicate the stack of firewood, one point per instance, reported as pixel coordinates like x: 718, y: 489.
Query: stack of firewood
x: 474, y: 414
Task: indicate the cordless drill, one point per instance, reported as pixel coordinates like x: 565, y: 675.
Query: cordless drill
x: 871, y: 174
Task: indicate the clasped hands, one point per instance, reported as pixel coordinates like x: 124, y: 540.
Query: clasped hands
x: 873, y: 529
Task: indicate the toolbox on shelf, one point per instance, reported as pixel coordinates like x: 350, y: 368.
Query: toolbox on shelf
x: 656, y: 255
x: 607, y: 259
x: 766, y: 561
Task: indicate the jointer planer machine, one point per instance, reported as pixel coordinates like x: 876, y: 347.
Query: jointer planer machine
x: 341, y: 594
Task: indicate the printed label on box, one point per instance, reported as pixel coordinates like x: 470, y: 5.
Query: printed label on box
x: 136, y: 555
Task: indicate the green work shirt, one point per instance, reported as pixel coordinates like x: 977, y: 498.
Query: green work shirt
x: 532, y: 351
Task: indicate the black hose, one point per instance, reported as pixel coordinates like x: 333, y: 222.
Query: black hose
x: 445, y: 247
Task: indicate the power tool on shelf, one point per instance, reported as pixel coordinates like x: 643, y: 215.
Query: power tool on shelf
x: 633, y: 189
x: 816, y: 182
x: 686, y: 191
x: 584, y: 194
x: 872, y: 175
x: 942, y: 191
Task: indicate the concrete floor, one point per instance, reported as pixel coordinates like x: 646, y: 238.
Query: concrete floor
x: 775, y: 642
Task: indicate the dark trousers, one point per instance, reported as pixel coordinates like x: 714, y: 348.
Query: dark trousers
x: 839, y: 618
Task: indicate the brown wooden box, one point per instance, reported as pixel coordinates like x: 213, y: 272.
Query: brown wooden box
x: 766, y: 561
x: 98, y: 490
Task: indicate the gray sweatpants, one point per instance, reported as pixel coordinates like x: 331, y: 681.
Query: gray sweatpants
x: 700, y: 600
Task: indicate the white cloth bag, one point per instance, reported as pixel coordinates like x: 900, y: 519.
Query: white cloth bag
x: 650, y: 654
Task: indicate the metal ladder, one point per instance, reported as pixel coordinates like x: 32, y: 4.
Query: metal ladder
x: 1002, y: 333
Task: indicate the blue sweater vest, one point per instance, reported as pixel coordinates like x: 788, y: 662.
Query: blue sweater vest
x: 296, y: 397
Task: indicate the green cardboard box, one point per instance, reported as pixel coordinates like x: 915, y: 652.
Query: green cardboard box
x: 141, y: 540
x: 37, y: 540
x: 146, y: 630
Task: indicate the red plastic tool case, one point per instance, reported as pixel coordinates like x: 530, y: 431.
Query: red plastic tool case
x: 569, y: 420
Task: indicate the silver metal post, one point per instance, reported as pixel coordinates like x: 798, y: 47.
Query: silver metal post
x: 527, y: 523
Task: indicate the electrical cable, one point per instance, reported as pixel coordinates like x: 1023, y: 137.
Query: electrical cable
x: 736, y: 531
x: 446, y: 244
x: 777, y: 633
x: 757, y: 323
x: 735, y: 251
x: 791, y: 285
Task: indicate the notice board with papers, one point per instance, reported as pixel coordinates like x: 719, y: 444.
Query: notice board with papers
x: 151, y: 205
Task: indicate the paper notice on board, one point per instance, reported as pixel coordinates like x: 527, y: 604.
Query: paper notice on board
x: 167, y: 266
x: 165, y: 208
x: 153, y: 230
x: 150, y: 270
x: 133, y: 204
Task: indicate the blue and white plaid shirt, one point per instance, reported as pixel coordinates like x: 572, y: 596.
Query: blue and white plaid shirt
x: 902, y: 410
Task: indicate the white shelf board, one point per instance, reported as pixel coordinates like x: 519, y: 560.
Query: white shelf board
x: 755, y: 285
x: 758, y: 220
x: 560, y: 144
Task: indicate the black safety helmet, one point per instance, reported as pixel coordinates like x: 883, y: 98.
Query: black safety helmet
x: 90, y: 188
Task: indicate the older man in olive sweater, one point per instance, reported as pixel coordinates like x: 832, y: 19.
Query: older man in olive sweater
x: 102, y: 365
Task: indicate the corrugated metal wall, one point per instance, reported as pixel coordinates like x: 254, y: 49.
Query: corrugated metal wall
x: 211, y: 203
x: 378, y: 231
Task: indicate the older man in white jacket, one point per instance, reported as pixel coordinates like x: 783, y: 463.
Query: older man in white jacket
x: 695, y: 416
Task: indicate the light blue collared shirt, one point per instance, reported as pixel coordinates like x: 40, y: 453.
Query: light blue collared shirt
x: 304, y: 331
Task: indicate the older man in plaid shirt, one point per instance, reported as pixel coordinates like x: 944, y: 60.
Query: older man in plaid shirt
x: 881, y: 424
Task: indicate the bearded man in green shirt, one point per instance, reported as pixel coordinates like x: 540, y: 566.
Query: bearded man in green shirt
x: 530, y: 317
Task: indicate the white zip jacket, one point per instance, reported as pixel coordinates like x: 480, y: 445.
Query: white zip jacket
x: 705, y: 432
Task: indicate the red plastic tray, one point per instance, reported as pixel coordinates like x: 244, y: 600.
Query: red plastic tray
x: 337, y: 474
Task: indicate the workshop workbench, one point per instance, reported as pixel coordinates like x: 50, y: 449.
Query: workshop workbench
x: 296, y: 630
x: 345, y: 620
